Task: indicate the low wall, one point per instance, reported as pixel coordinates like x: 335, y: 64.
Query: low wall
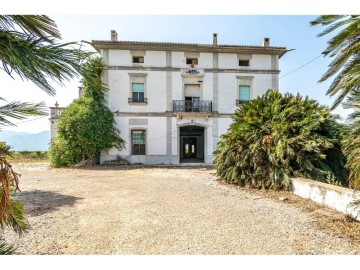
x: 335, y: 197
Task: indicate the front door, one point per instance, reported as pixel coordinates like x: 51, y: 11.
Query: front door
x: 189, y: 149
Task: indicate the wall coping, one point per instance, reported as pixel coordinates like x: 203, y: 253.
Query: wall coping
x: 338, y: 198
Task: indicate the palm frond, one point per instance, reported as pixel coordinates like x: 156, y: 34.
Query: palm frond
x: 345, y: 47
x: 20, y: 110
x: 40, y: 26
x: 34, y: 59
x: 6, y: 249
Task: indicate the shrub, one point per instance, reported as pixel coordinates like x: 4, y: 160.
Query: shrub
x: 278, y: 136
x: 87, y: 126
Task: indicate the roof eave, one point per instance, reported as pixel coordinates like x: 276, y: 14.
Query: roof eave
x: 98, y: 45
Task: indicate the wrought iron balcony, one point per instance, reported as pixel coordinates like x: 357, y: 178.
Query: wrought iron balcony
x: 204, y: 106
x: 240, y: 102
x: 137, y: 100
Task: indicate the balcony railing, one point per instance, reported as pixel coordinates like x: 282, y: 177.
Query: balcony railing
x: 137, y: 100
x: 56, y: 111
x: 240, y: 102
x: 192, y: 106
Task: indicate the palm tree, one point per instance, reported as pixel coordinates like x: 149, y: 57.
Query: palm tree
x: 351, y: 140
x: 29, y: 47
x: 345, y: 47
x: 275, y: 137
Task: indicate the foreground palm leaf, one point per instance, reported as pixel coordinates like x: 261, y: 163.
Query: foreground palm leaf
x: 19, y: 110
x: 34, y: 54
x: 351, y: 140
x: 37, y: 25
x: 275, y: 137
x: 345, y: 47
x: 29, y: 47
x: 6, y: 249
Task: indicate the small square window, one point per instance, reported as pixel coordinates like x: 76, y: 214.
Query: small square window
x: 244, y: 63
x: 191, y: 61
x: 138, y: 59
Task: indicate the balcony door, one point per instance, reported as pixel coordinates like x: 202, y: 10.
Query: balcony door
x: 192, y: 97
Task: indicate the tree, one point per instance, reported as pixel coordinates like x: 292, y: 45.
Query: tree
x: 87, y: 126
x: 345, y: 47
x: 351, y: 140
x: 278, y: 136
x: 29, y: 47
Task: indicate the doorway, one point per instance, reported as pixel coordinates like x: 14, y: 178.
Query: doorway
x: 192, y: 144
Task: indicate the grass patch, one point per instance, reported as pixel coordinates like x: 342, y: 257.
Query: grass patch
x: 28, y: 156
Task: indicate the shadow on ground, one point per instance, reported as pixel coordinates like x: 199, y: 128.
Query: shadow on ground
x: 39, y: 202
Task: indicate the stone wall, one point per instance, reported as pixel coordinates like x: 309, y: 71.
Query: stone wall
x: 338, y: 198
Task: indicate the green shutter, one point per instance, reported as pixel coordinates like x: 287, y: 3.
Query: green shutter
x: 138, y: 137
x: 138, y: 88
x: 244, y: 94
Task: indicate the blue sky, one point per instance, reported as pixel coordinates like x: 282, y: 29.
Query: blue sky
x: 291, y: 31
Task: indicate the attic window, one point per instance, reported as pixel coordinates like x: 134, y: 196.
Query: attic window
x: 191, y: 61
x: 138, y: 59
x: 244, y: 63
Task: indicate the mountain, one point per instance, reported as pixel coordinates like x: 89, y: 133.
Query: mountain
x: 23, y: 141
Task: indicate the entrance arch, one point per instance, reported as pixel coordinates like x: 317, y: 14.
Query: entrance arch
x: 192, y: 144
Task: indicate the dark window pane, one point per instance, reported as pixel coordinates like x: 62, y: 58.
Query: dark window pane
x: 244, y: 63
x: 138, y: 59
x: 191, y: 61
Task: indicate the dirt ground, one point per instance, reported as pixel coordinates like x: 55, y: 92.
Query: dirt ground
x: 150, y: 210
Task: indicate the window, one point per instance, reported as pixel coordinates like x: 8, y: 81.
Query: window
x: 138, y: 92
x: 138, y: 59
x: 191, y: 61
x: 244, y: 94
x: 244, y: 63
x: 138, y: 142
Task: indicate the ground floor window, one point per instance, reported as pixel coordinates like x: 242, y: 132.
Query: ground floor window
x: 138, y: 142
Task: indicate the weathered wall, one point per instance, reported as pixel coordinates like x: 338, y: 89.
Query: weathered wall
x: 338, y: 198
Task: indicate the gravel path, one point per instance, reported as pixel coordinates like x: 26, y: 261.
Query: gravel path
x: 159, y: 211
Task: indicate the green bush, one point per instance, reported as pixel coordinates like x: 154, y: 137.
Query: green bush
x: 87, y: 126
x: 275, y: 137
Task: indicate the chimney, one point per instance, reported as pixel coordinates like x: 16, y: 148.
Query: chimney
x: 114, y: 35
x: 81, y: 91
x: 266, y: 42
x: 215, y: 39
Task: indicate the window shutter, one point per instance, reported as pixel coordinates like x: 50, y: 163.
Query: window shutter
x: 138, y: 137
x: 138, y: 88
x: 244, y: 94
x: 192, y: 90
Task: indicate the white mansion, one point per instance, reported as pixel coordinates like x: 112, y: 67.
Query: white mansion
x: 172, y: 101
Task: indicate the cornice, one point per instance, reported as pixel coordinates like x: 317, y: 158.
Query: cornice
x: 206, y: 70
x: 187, y: 47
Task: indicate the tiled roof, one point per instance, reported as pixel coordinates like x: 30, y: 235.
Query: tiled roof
x: 179, y: 44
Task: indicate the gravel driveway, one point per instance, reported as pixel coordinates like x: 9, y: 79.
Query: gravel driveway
x: 159, y: 211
